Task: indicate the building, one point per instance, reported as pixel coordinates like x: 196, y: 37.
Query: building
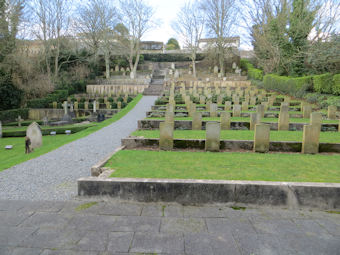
x: 207, y: 43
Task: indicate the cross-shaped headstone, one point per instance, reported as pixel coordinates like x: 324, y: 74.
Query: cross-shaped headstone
x: 19, y: 120
x: 65, y: 107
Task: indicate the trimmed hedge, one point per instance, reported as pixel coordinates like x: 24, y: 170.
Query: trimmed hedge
x: 323, y: 83
x: 45, y: 131
x: 158, y: 57
x: 287, y: 85
x: 11, y: 115
x: 57, y: 96
x: 336, y: 84
x: 253, y: 73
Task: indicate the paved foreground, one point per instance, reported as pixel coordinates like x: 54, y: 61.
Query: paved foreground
x: 53, y: 176
x: 113, y: 227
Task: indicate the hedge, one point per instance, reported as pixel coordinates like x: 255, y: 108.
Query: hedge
x: 287, y: 85
x: 323, y: 83
x: 336, y: 84
x: 57, y: 96
x: 46, y: 131
x: 170, y: 57
x: 11, y: 115
x: 253, y: 73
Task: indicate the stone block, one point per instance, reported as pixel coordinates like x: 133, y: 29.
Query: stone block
x: 236, y: 110
x: 166, y: 138
x: 212, y: 141
x: 284, y: 118
x: 225, y: 121
x: 310, y: 140
x: 254, y: 119
x: 261, y: 138
x: 316, y: 119
x: 244, y: 106
x: 197, y: 121
x: 260, y: 110
x: 332, y: 112
x: 227, y: 106
x: 307, y: 110
x: 213, y: 110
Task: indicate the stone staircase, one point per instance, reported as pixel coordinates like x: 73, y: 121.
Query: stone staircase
x: 156, y: 86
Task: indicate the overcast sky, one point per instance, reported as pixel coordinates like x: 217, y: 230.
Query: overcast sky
x: 166, y: 12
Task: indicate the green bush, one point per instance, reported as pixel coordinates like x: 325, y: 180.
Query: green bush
x: 336, y: 84
x: 253, y: 73
x: 11, y: 115
x: 288, y: 85
x: 10, y: 95
x: 38, y: 103
x: 323, y: 83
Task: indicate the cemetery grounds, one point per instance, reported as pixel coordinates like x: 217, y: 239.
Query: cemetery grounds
x: 171, y: 141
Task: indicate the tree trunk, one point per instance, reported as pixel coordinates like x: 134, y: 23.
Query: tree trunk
x: 107, y: 65
x: 193, y: 58
x: 221, y: 60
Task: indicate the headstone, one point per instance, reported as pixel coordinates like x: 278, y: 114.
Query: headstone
x: 197, y: 121
x: 192, y: 109
x: 213, y: 110
x: 170, y: 118
x: 332, y: 112
x: 76, y: 105
x: 117, y: 68
x: 212, y: 141
x: 261, y: 138
x: 254, y: 120
x: 65, y: 106
x: 176, y: 74
x: 316, y: 119
x: 283, y: 123
x: 236, y: 100
x: 54, y: 105
x: 244, y: 106
x: 225, y: 120
x: 236, y: 110
x: 19, y: 120
x: 33, y: 132
x: 86, y: 105
x: 310, y: 139
x: 202, y: 99
x: 215, y: 69
x: 227, y: 105
x: 94, y: 106
x: 260, y: 110
x: 252, y: 101
x: 45, y: 121
x: 307, y: 110
x: 166, y: 138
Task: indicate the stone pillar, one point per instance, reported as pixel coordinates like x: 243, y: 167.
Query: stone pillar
x: 213, y: 110
x: 254, y: 120
x: 284, y: 118
x: 166, y: 137
x: 197, y: 121
x: 260, y: 110
x: 212, y: 141
x: 236, y: 110
x: 227, y: 106
x: 307, y: 110
x: 261, y: 138
x: 316, y: 119
x: 225, y: 120
x: 332, y: 112
x: 310, y: 140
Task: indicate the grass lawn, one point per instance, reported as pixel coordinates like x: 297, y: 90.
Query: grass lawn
x: 325, y: 137
x: 247, y: 119
x: 22, y: 128
x: 226, y: 166
x: 9, y: 158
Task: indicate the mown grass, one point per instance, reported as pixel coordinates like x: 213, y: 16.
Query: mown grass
x: 325, y: 137
x: 247, y: 119
x: 226, y: 166
x: 9, y: 158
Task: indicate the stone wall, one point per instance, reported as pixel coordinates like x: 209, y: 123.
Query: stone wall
x: 106, y: 90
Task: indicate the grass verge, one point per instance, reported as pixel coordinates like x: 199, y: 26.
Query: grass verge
x: 325, y: 137
x: 9, y: 158
x: 226, y: 166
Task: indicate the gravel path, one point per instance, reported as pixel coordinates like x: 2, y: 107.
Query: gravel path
x: 53, y: 176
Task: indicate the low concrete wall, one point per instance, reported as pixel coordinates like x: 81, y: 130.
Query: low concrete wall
x: 197, y: 192
x: 149, y: 124
x: 57, y: 114
x: 234, y: 145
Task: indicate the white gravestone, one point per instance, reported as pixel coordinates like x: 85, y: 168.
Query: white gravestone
x: 33, y: 132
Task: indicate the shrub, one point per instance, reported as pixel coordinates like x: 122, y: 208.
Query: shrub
x: 10, y: 95
x: 129, y: 99
x: 253, y: 73
x: 11, y: 115
x: 323, y: 83
x: 114, y: 106
x: 336, y: 84
x: 38, y: 103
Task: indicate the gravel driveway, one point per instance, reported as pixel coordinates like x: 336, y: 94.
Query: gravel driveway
x: 53, y: 176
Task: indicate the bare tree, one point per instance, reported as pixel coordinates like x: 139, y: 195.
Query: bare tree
x: 136, y: 16
x: 189, y: 25
x: 221, y: 16
x: 50, y: 20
